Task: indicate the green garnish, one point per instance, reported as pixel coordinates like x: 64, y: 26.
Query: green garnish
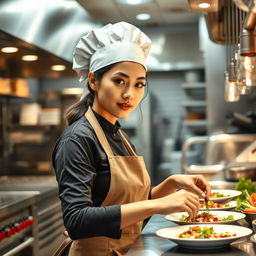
x: 183, y: 218
x: 247, y: 187
x: 230, y: 217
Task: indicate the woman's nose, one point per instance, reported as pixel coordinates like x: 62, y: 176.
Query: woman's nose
x: 128, y: 93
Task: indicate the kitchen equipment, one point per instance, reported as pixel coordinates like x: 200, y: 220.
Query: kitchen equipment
x: 247, y: 171
x: 250, y: 217
x: 30, y: 197
x: 243, y: 122
x: 16, y: 226
x: 219, y: 150
x: 243, y: 165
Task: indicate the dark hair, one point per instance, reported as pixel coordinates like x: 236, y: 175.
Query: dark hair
x: 78, y: 109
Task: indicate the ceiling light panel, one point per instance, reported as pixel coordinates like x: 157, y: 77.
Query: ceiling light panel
x: 143, y: 16
x: 130, y: 12
x: 29, y: 57
x: 9, y: 49
x: 58, y: 67
x: 194, y: 5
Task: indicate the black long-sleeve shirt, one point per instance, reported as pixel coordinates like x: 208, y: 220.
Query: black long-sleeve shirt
x: 83, y: 174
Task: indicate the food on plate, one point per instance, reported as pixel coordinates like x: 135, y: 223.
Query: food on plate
x: 196, y: 232
x: 217, y: 194
x: 206, y: 217
x: 214, y: 205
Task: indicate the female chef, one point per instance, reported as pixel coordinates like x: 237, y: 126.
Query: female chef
x: 104, y: 186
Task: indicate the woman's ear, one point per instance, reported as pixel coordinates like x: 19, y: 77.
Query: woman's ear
x: 92, y: 81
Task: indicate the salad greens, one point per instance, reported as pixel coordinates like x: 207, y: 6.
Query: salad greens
x: 248, y: 188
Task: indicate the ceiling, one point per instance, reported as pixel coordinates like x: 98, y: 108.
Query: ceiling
x: 163, y: 12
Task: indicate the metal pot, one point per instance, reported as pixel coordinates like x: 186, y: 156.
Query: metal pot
x: 246, y: 170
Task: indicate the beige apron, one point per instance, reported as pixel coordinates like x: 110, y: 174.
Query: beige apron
x: 129, y: 183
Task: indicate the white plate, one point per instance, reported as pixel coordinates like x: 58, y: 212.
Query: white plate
x: 172, y: 232
x: 230, y: 205
x: 229, y: 195
x: 175, y: 217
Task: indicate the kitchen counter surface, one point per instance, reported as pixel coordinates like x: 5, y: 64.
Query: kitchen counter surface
x: 151, y: 245
x: 18, y: 192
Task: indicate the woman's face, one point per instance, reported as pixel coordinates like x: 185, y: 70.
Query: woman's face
x: 120, y: 91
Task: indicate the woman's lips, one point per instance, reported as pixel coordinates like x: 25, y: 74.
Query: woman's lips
x: 124, y: 106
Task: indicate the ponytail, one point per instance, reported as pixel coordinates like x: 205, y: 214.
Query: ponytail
x: 78, y: 109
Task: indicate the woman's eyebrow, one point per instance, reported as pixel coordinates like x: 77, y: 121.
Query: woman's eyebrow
x: 125, y: 75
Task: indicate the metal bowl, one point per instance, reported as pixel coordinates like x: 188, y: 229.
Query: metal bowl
x: 236, y: 172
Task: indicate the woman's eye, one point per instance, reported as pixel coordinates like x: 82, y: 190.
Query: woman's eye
x: 119, y: 81
x: 140, y: 85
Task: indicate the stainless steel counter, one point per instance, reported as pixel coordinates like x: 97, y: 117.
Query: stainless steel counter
x: 18, y: 192
x: 151, y: 245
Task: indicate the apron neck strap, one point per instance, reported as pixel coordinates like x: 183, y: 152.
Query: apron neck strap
x: 99, y: 132
x: 127, y: 144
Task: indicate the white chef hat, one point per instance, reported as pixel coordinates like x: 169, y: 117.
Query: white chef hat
x: 108, y: 45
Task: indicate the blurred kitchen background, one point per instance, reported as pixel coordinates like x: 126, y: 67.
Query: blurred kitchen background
x: 200, y: 110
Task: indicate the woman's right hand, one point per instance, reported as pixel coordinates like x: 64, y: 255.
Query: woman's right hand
x: 180, y: 201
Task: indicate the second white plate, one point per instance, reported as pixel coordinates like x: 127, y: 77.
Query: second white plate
x: 228, y: 195
x: 175, y: 217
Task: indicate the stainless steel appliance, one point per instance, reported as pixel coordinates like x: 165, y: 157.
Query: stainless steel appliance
x: 243, y: 165
x: 16, y: 223
x: 219, y: 150
x: 34, y: 201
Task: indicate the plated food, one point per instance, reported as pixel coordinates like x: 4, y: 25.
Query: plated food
x: 197, y: 232
x: 173, y: 234
x: 223, y: 195
x: 207, y: 217
x: 216, y: 217
x: 217, y: 194
x: 218, y: 206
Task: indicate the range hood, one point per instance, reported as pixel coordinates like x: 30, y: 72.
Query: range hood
x: 53, y: 28
x: 48, y: 28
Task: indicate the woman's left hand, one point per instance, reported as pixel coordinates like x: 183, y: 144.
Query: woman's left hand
x: 194, y: 183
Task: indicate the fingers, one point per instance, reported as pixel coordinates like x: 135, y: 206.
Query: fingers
x: 190, y: 204
x: 192, y: 209
x: 198, y: 191
x: 203, y: 188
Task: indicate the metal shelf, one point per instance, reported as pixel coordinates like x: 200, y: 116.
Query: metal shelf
x: 13, y: 96
x: 194, y: 103
x: 195, y: 123
x: 194, y: 85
